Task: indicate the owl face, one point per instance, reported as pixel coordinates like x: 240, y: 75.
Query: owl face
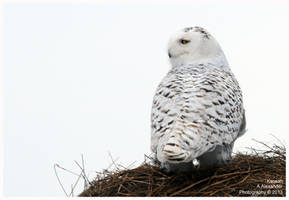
x: 190, y: 45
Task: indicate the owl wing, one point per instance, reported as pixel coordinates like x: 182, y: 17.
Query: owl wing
x: 195, y: 112
x: 165, y: 109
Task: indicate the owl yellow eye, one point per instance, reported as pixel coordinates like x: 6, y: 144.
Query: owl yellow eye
x: 184, y: 41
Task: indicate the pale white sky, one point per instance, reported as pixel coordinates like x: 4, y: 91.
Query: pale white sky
x: 80, y: 78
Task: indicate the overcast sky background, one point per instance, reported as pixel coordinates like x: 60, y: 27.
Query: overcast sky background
x: 80, y: 78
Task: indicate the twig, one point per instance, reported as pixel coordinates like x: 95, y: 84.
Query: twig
x: 56, y: 165
x: 80, y: 175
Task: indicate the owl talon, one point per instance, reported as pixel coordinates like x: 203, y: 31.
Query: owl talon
x: 196, y: 163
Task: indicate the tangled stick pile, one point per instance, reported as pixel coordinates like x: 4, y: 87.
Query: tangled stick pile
x: 261, y: 173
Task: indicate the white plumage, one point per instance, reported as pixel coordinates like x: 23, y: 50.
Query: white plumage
x: 197, y: 111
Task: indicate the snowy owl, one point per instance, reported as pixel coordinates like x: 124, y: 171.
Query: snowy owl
x: 197, y: 111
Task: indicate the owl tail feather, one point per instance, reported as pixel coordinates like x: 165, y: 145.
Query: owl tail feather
x: 172, y: 151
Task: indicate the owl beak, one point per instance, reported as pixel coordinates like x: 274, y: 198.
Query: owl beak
x: 169, y: 54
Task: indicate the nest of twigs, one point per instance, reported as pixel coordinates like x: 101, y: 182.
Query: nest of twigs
x: 260, y: 173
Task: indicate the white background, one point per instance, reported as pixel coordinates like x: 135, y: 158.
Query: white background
x: 80, y: 78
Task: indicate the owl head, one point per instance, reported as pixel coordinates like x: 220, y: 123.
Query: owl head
x: 192, y: 45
